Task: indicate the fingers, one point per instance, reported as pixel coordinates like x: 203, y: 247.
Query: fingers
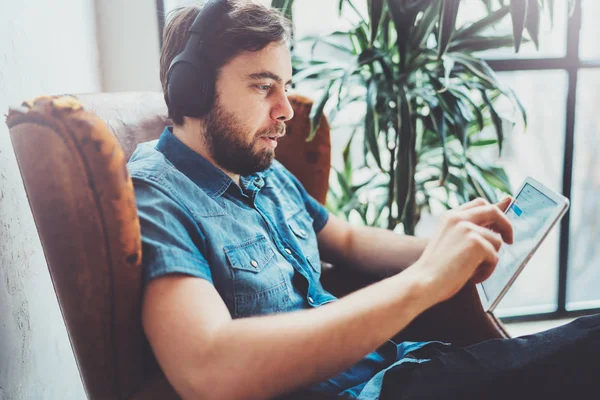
x: 478, y: 202
x: 489, y: 244
x: 504, y: 203
x: 490, y: 216
x: 490, y: 236
x: 483, y: 272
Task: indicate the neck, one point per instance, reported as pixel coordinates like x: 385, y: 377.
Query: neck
x: 191, y: 133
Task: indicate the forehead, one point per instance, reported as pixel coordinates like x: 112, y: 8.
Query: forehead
x: 274, y: 58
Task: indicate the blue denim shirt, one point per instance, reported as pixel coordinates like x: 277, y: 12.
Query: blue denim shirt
x: 256, y: 243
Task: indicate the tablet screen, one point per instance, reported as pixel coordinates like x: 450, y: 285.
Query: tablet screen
x: 529, y: 214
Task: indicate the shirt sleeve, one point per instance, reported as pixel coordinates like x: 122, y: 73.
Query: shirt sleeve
x: 170, y: 236
x: 317, y: 211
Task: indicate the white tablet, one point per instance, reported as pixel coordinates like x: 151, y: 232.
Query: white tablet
x: 533, y: 212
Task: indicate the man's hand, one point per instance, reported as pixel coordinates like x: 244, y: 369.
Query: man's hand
x: 465, y: 246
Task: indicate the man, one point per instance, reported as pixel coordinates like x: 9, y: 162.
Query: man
x: 232, y: 245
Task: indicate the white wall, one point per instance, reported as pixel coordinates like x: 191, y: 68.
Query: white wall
x: 129, y: 44
x: 45, y: 48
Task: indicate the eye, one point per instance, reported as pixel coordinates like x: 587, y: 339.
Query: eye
x: 263, y: 88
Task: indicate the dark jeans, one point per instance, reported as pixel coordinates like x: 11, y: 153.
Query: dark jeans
x: 561, y: 363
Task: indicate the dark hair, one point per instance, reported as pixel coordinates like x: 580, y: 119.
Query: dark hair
x: 249, y: 26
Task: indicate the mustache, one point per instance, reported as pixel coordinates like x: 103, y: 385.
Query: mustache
x: 277, y: 130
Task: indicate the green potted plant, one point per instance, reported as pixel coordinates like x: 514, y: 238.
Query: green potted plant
x: 426, y: 100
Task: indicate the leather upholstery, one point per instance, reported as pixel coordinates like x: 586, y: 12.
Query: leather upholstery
x: 72, y: 161
x: 84, y: 208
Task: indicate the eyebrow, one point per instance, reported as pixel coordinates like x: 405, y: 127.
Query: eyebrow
x: 268, y: 75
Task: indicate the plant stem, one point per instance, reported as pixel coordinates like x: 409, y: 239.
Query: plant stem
x: 392, y: 173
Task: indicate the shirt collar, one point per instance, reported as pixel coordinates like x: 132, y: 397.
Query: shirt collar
x: 204, y: 174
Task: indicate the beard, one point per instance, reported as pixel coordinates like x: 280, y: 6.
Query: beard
x: 226, y: 140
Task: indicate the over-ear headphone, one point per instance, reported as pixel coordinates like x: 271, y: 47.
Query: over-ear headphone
x: 191, y: 76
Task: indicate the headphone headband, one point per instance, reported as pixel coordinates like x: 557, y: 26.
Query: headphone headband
x: 210, y: 13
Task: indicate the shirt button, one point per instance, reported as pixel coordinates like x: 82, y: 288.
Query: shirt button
x: 310, y: 299
x: 254, y: 263
x: 288, y: 251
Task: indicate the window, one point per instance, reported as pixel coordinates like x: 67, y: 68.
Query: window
x: 559, y: 85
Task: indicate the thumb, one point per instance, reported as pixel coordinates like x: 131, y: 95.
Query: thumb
x: 504, y: 203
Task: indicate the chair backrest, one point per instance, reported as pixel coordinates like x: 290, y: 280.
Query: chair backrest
x: 136, y: 117
x: 73, y: 163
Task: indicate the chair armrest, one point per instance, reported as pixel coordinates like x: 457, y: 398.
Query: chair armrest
x: 460, y: 320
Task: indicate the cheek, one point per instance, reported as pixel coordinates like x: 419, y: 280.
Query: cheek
x: 255, y: 120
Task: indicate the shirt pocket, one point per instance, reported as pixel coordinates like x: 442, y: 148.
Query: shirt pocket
x: 301, y: 225
x: 259, y: 286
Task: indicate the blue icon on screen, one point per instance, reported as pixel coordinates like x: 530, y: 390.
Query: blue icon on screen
x: 516, y: 210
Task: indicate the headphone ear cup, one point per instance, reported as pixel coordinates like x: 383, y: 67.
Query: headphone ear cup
x: 206, y: 87
x: 191, y: 88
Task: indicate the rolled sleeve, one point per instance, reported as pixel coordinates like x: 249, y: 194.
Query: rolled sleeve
x: 171, y: 240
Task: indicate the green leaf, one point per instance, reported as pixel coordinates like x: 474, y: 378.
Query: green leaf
x: 286, y: 7
x: 461, y: 190
x: 454, y: 113
x: 466, y: 97
x: 518, y: 12
x: 532, y: 22
x: 353, y: 7
x: 385, y: 28
x: 347, y: 193
x: 426, y: 25
x: 495, y: 119
x: 378, y: 212
x: 448, y: 65
x: 367, y: 57
x: 324, y: 40
x: 481, y: 25
x: 403, y: 24
x: 348, y: 160
x: 375, y: 13
x: 511, y: 94
x: 496, y: 176
x: 477, y: 67
x: 363, y: 39
x: 447, y: 24
x: 437, y: 118
x: 480, y: 43
x: 371, y: 122
x: 479, y: 183
x: 318, y: 71
x: 316, y: 112
x: 483, y: 142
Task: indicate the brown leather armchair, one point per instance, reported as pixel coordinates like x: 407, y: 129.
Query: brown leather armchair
x: 73, y: 164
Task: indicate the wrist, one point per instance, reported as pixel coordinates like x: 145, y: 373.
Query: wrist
x: 419, y: 288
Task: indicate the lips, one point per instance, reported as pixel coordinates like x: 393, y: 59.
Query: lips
x: 271, y: 140
x: 274, y: 137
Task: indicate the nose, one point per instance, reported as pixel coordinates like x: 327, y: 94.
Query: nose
x: 282, y: 109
